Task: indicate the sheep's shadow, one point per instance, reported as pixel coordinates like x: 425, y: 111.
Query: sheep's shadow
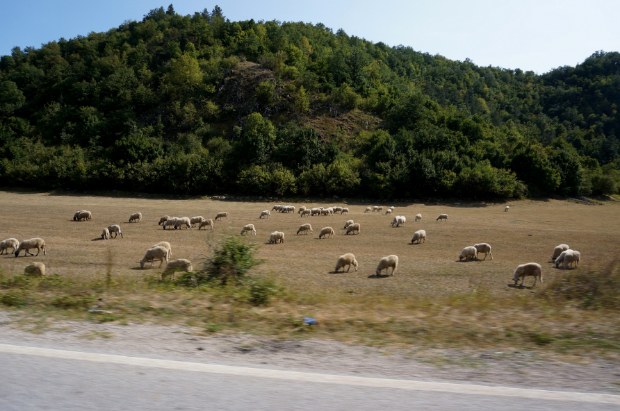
x: 97, y: 239
x: 520, y: 287
x: 340, y: 272
x: 377, y: 276
x: 410, y: 243
x: 465, y: 261
x: 146, y: 268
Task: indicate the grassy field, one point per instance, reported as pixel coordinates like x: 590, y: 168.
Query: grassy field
x: 429, y: 299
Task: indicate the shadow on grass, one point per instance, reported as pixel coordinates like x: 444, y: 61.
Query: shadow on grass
x: 97, y: 239
x: 520, y: 287
x: 375, y: 276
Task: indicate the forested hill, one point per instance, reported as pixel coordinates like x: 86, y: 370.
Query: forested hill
x: 202, y: 105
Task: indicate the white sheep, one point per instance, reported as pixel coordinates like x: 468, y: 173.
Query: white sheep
x: 249, y: 228
x: 134, y: 217
x: 163, y: 219
x: 385, y: 263
x: 27, y: 245
x: 327, y: 232
x: 35, y: 270
x: 398, y: 221
x: 305, y: 228
x: 276, y: 208
x: 177, y: 265
x: 442, y: 217
x: 337, y: 209
x: 156, y: 253
x: 419, y: 236
x: 347, y: 223
x: 115, y: 229
x: 418, y: 217
x: 82, y: 215
x: 206, y: 223
x: 11, y: 243
x: 276, y: 237
x: 368, y: 209
x: 345, y: 210
x: 221, y: 215
x: 355, y: 227
x: 105, y: 235
x: 388, y: 211
x: 570, y: 258
x: 265, y: 213
x: 302, y: 208
x: 484, y: 248
x: 196, y: 220
x: 316, y: 211
x: 346, y: 260
x: 290, y: 209
x: 183, y: 221
x: 166, y: 245
x: 171, y: 222
x: 529, y: 269
x: 469, y: 253
x: 507, y: 208
x: 558, y: 250
x: 306, y: 212
x: 377, y: 209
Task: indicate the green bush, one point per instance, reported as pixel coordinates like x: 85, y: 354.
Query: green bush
x: 603, y: 185
x: 262, y: 290
x: 264, y: 92
x: 14, y: 299
x: 71, y: 301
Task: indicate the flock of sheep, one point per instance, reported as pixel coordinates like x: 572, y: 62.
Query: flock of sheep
x: 162, y: 251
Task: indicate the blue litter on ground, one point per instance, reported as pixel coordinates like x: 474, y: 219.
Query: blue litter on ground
x: 310, y: 321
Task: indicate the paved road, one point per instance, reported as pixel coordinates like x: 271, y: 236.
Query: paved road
x: 33, y: 378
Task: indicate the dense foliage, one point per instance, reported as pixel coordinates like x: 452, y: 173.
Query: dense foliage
x: 140, y: 108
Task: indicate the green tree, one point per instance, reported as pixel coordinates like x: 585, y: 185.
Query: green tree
x: 185, y: 72
x: 302, y: 102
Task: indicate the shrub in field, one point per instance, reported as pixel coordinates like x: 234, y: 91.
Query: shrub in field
x: 81, y: 300
x: 14, y: 299
x: 592, y: 289
x: 262, y: 290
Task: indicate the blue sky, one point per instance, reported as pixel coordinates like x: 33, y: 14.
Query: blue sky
x: 531, y: 35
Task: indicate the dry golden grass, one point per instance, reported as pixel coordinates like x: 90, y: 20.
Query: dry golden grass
x: 432, y: 298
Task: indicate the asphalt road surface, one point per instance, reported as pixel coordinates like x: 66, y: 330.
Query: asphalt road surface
x: 34, y: 378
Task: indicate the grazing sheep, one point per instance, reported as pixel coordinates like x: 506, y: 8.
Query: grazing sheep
x: 134, y: 217
x: 469, y: 253
x: 11, y: 243
x: 529, y: 269
x: 345, y: 210
x: 302, y: 208
x: 35, y: 270
x: 327, y: 232
x: 560, y: 258
x: 166, y: 245
x: 83, y: 215
x: 306, y: 212
x: 368, y: 209
x: 398, y: 221
x: 265, y: 213
x: 290, y: 209
x: 418, y: 217
x: 316, y: 211
x: 347, y: 223
x: 196, y: 220
x: 385, y: 263
x: 346, y: 260
x: 377, y: 209
x: 221, y: 215
x: 116, y: 229
x: 171, y: 222
x: 337, y: 209
x: 163, y: 220
x: 206, y: 223
x: 419, y: 236
x: 355, y: 227
x: 442, y: 217
x: 105, y: 235
x: 305, y: 228
x: 248, y: 228
x: 484, y: 248
x: 183, y: 221
x: 570, y: 258
x: 388, y: 211
x: 276, y: 208
x: 176, y: 265
x: 27, y: 245
x: 507, y: 208
x: 276, y: 237
x: 558, y: 250
x: 327, y: 211
x: 156, y: 253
